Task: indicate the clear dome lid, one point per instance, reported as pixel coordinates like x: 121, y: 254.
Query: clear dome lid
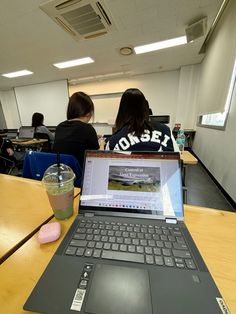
x: 58, y: 173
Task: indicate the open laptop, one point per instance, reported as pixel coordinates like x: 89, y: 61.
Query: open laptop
x: 25, y: 133
x: 11, y: 133
x: 128, y: 251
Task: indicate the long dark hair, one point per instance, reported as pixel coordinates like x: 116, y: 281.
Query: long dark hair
x: 133, y: 112
x: 37, y: 119
x: 80, y: 104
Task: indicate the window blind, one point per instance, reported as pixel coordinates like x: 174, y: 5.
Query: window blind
x: 217, y: 67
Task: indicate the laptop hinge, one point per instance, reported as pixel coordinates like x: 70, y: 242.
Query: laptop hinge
x: 171, y: 220
x: 88, y: 214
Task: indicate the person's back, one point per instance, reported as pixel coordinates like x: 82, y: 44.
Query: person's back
x: 134, y: 131
x: 6, y: 154
x: 158, y: 139
x: 75, y: 135
x: 37, y: 123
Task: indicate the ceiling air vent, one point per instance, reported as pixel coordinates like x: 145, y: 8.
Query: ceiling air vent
x: 196, y: 30
x: 80, y: 18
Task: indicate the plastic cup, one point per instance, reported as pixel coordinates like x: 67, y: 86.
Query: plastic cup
x: 59, y: 183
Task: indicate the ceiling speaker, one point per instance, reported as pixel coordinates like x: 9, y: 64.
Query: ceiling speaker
x: 196, y: 30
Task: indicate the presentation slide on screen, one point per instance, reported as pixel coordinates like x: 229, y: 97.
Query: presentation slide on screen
x: 134, y: 184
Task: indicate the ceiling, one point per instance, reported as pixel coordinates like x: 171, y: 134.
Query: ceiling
x: 31, y: 40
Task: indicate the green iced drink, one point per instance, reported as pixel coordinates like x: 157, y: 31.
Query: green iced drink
x: 59, y: 184
x: 62, y: 203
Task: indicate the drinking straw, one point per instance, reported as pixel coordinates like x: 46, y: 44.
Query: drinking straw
x: 58, y: 169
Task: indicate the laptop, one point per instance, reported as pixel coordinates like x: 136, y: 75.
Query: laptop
x: 11, y: 133
x: 128, y: 251
x: 25, y: 133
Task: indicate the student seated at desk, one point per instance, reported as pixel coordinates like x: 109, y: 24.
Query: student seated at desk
x: 133, y: 128
x: 6, y: 155
x: 37, y: 123
x: 75, y: 135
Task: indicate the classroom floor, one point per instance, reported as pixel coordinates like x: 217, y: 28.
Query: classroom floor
x: 202, y: 191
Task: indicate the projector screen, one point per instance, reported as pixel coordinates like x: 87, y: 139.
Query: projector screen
x: 50, y: 99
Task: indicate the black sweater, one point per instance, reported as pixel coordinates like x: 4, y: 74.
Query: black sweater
x: 73, y: 138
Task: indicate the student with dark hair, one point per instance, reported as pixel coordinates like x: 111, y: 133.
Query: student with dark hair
x: 6, y: 154
x: 133, y: 128
x: 37, y: 123
x: 75, y: 135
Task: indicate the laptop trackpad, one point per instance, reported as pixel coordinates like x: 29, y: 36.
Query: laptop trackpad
x: 118, y: 289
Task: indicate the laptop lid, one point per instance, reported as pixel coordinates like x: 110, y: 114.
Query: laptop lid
x: 26, y: 132
x: 12, y: 134
x: 137, y: 184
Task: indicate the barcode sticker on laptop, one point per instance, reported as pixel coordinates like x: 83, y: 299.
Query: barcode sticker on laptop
x: 78, y: 300
x: 223, y: 306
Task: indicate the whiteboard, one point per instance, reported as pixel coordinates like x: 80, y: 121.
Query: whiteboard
x: 50, y: 99
x: 106, y: 107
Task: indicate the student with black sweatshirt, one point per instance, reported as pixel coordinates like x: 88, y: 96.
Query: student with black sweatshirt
x: 75, y: 135
x: 133, y: 128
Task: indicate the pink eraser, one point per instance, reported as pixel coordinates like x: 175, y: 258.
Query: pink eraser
x: 49, y: 232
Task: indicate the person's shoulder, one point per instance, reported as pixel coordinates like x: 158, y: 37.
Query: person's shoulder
x: 115, y: 137
x: 83, y: 125
x: 89, y: 128
x: 121, y: 132
x: 66, y: 122
x: 161, y: 126
x: 42, y: 128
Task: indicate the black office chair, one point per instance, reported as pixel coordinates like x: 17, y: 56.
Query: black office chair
x: 46, y: 147
x: 6, y: 165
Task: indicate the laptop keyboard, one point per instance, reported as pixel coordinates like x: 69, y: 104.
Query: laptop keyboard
x: 140, y: 243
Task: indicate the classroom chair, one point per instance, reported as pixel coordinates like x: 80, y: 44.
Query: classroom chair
x: 36, y: 163
x: 6, y: 165
x: 46, y: 147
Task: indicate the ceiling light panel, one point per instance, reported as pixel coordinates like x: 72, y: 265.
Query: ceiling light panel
x: 161, y: 45
x: 18, y: 73
x: 73, y: 63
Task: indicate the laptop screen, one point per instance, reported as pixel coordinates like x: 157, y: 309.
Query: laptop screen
x: 138, y: 182
x: 26, y: 132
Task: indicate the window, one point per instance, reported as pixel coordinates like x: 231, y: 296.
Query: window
x: 218, y: 120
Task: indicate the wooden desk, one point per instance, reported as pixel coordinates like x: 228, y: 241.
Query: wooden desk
x: 34, y: 144
x: 214, y: 233
x: 212, y: 230
x: 24, y: 207
x: 30, y: 142
x: 18, y: 277
x: 188, y: 158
